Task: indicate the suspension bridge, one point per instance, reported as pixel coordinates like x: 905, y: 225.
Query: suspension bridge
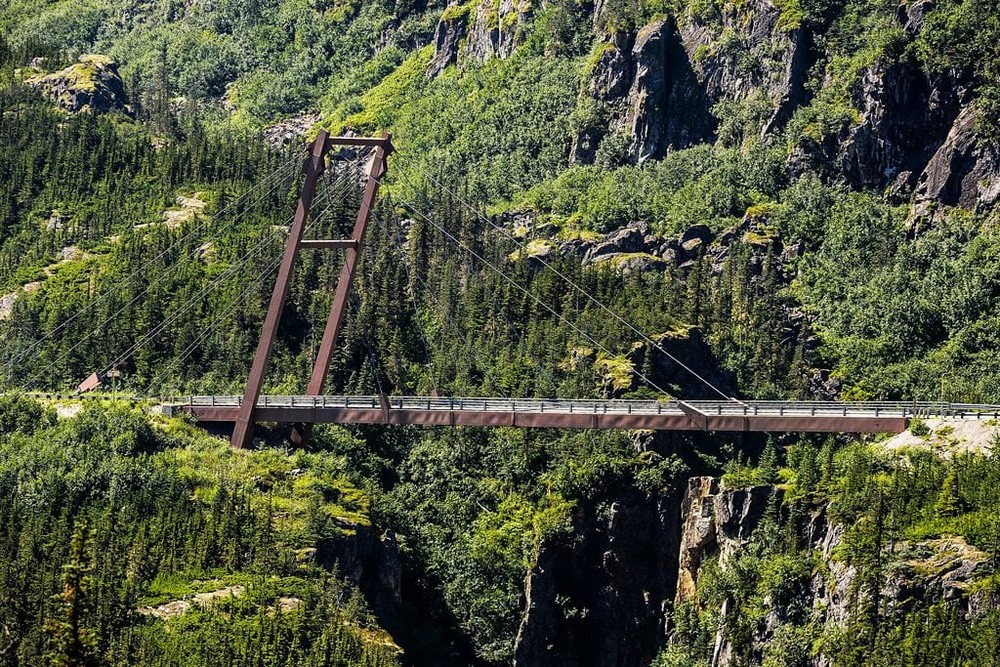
x: 668, y: 413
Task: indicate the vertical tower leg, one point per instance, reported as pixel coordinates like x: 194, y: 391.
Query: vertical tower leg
x: 376, y: 170
x: 313, y: 168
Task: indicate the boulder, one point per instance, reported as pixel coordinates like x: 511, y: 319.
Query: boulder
x: 629, y: 239
x: 91, y: 85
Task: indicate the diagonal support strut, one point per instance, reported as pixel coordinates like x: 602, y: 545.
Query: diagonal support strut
x: 314, y: 167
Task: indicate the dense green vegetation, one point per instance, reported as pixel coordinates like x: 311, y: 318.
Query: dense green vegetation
x: 891, y: 505
x: 108, y: 515
x: 112, y: 228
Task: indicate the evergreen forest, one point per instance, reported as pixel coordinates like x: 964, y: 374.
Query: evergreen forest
x: 795, y: 199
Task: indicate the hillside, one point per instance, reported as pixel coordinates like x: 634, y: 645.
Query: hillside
x: 798, y: 198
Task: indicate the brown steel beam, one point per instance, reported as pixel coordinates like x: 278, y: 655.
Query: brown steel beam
x: 323, y: 244
x: 384, y: 142
x: 313, y: 168
x: 376, y: 170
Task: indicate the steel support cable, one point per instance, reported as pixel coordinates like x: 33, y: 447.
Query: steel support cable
x: 189, y: 350
x: 144, y: 265
x: 201, y: 295
x: 204, y: 292
x: 447, y: 316
x: 410, y: 277
x: 527, y: 293
x: 577, y: 287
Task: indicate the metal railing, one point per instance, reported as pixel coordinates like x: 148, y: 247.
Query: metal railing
x: 865, y: 409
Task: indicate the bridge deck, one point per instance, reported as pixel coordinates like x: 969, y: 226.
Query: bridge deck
x: 776, y: 416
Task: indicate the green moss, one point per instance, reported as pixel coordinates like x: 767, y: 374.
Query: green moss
x: 762, y: 210
x: 596, y: 53
x: 618, y: 260
x: 457, y: 12
x: 617, y: 371
x: 790, y: 15
x: 533, y: 248
x: 574, y: 233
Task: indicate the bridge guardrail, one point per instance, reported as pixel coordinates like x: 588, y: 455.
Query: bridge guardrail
x: 888, y: 409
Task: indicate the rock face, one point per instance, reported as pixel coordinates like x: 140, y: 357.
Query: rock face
x: 675, y: 83
x: 964, y: 171
x: 603, y: 600
x: 290, y: 129
x: 605, y: 597
x: 448, y: 36
x: 903, y: 115
x: 496, y: 29
x: 690, y: 348
x: 90, y: 85
x: 371, y: 561
x: 658, y: 86
x: 473, y: 33
x: 750, y: 52
x: 916, y: 135
x: 718, y: 523
x: 697, y: 534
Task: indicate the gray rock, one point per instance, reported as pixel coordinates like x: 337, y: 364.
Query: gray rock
x: 697, y: 534
x: 911, y: 15
x: 290, y: 129
x: 91, y: 85
x: 629, y: 239
x: 448, y: 36
x: 964, y: 171
x: 749, y: 52
x: 904, y: 117
x: 647, y: 94
x: 496, y: 30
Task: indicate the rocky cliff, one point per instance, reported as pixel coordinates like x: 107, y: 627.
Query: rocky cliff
x: 90, y: 85
x: 762, y: 70
x: 608, y: 598
x: 603, y: 599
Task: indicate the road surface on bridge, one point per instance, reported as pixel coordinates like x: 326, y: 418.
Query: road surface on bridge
x: 763, y: 416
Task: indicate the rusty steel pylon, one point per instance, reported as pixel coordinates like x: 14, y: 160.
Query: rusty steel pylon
x: 314, y: 167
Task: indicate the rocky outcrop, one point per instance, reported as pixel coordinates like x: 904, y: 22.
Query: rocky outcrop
x: 964, y: 171
x: 475, y: 33
x: 697, y: 534
x: 367, y: 559
x: 687, y: 346
x: 750, y: 52
x: 643, y: 88
x: 448, y: 37
x: 497, y: 29
x: 648, y: 91
x: 90, y: 85
x: 916, y: 135
x: 603, y: 599
x: 903, y: 115
x: 717, y: 523
x: 658, y: 86
x: 290, y: 130
x: 635, y: 247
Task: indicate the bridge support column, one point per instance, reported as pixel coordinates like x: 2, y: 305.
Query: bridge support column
x: 376, y: 170
x: 314, y: 167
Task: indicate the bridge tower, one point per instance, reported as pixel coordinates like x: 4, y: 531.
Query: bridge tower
x: 314, y: 166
